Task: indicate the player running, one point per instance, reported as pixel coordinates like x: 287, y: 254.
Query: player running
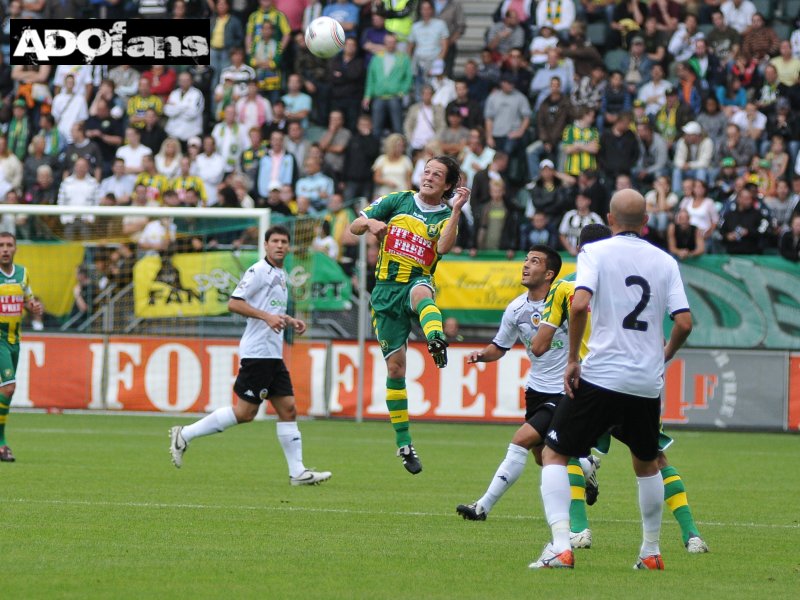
x: 414, y: 230
x: 262, y: 297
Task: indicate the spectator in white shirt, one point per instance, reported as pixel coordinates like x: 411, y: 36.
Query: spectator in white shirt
x: 750, y: 121
x: 738, y: 13
x: 558, y: 13
x: 79, y: 189
x: 68, y: 108
x: 231, y: 138
x: 133, y: 151
x: 210, y: 167
x: 120, y: 184
x: 184, y: 110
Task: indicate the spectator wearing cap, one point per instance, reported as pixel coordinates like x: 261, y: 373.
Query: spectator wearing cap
x: 725, y: 180
x: 552, y: 117
x: 389, y: 79
x: 682, y: 43
x: 507, y: 116
x: 427, y: 41
x: 347, y: 77
x: 653, y: 155
x: 549, y: 195
x: 558, y: 13
x: 636, y: 66
x: 274, y: 201
x: 758, y: 40
x: 693, y: 154
x: 671, y: 118
x: 276, y: 165
x: 504, y: 35
x: 654, y: 92
x: 184, y: 110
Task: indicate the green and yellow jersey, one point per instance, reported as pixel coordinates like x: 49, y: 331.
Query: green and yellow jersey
x: 408, y: 250
x: 181, y: 184
x: 580, y: 161
x: 556, y: 308
x: 156, y: 185
x: 138, y: 105
x: 14, y: 292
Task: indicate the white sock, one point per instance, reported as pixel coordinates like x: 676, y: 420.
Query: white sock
x: 651, y: 503
x: 556, y: 497
x: 507, y: 474
x: 292, y: 444
x: 216, y: 422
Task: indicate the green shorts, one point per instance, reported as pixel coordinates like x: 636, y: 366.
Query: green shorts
x: 392, y: 313
x: 603, y: 444
x: 9, y: 357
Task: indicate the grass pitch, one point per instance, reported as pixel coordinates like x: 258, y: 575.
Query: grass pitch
x: 93, y: 509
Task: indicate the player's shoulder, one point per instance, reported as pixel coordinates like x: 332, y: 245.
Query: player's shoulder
x: 517, y: 303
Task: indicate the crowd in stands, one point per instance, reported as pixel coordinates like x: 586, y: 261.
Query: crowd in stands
x: 696, y: 103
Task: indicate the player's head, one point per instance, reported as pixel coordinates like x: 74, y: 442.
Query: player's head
x: 452, y: 174
x: 541, y: 266
x: 8, y: 248
x: 593, y: 232
x: 276, y: 244
x: 627, y: 211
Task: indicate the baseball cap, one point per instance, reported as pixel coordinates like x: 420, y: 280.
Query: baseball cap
x: 437, y: 68
x: 692, y: 128
x: 194, y: 141
x: 764, y: 163
x: 274, y: 185
x: 547, y: 163
x: 670, y: 91
x: 637, y: 39
x: 20, y: 102
x: 638, y: 102
x: 728, y: 161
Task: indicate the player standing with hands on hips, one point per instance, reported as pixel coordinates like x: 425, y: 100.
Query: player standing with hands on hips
x: 15, y: 295
x: 630, y: 285
x: 414, y: 230
x: 262, y: 297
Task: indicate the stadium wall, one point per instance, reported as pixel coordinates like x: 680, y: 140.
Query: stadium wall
x: 704, y: 388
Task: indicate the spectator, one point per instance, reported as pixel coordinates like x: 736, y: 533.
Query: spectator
x: 743, y: 229
x: 152, y: 134
x: 654, y: 92
x: 333, y: 144
x: 297, y: 144
x: 277, y: 165
x: 298, y: 104
x: 555, y: 67
x: 35, y: 159
x: 313, y: 71
x: 702, y: 211
x: 155, y: 183
x: 750, y: 121
x: 789, y: 244
x: 619, y: 148
x: 666, y: 13
x: 515, y: 66
x: 781, y: 206
x: 627, y: 19
x: 741, y: 148
x: 230, y: 138
x: 105, y: 131
x: 477, y: 155
x: 226, y: 32
x: 504, y: 35
x: 636, y: 67
x: 444, y: 88
x: 713, y: 120
x: 488, y: 70
x: 79, y: 189
x: 747, y: 70
x: 684, y: 240
x: 725, y: 180
x: 682, y: 43
x: 688, y: 88
x: 157, y: 236
x: 84, y: 292
x: 392, y: 169
x: 126, y: 82
x: 653, y: 156
x: 706, y: 67
x: 162, y: 81
x: 69, y: 107
x: 168, y: 159
x: 267, y: 12
x: 424, y: 121
x: 541, y: 43
x: 672, y: 117
x: 44, y: 190
x: 339, y: 218
x: 574, y: 220
x: 616, y: 99
x: 723, y: 40
x: 266, y: 60
x: 346, y: 14
x: 133, y: 151
x: 427, y: 41
x: 470, y: 110
x: 558, y: 13
x: 786, y: 124
x: 580, y: 143
x: 738, y: 13
x: 549, y: 196
x: 496, y: 221
x: 507, y: 116
x: 359, y: 156
x: 323, y: 242
x: 478, y: 86
x: 373, y: 37
x: 138, y: 104
x: 315, y: 187
x: 53, y: 142
x: 768, y: 94
x: 660, y: 203
x: 119, y: 183
x: 81, y: 147
x: 656, y: 37
x: 786, y: 65
x: 184, y: 109
x: 210, y: 166
x: 252, y: 109
x: 347, y: 77
x: 777, y: 157
x: 133, y: 225
x: 535, y: 231
x: 452, y: 13
x: 758, y: 40
x: 186, y: 182
x: 693, y: 154
x: 389, y: 79
x: 19, y: 132
x: 454, y: 138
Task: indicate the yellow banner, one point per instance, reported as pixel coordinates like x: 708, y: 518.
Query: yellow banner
x: 481, y: 285
x: 52, y: 273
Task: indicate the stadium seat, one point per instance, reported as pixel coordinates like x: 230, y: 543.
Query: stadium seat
x: 765, y: 8
x: 791, y: 10
x: 614, y: 58
x: 597, y: 34
x: 782, y: 30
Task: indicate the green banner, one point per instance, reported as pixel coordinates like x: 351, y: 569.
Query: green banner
x: 191, y: 285
x: 736, y: 302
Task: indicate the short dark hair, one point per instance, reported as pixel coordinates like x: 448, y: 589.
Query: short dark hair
x: 453, y: 176
x: 552, y: 259
x: 8, y: 234
x: 277, y: 230
x: 593, y: 232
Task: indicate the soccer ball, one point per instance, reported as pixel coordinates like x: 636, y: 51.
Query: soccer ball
x: 324, y: 37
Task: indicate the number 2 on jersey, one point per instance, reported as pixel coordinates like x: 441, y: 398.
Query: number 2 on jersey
x: 630, y: 321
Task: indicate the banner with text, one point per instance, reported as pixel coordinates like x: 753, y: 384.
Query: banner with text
x: 192, y: 285
x: 52, y: 272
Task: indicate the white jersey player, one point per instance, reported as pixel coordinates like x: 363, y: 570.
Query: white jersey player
x: 630, y: 285
x: 262, y: 297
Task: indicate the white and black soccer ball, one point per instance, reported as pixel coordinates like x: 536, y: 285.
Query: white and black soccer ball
x: 325, y: 37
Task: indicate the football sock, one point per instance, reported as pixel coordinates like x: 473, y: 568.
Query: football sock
x: 217, y: 422
x: 578, y: 521
x: 397, y: 403
x: 651, y: 505
x: 556, y: 499
x: 5, y: 406
x: 430, y: 319
x: 675, y: 497
x: 507, y: 474
x: 292, y: 444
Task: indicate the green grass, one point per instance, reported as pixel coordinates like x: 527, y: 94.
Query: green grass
x: 93, y: 509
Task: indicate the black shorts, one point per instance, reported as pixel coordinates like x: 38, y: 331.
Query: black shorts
x: 539, y: 409
x: 262, y: 378
x: 580, y: 421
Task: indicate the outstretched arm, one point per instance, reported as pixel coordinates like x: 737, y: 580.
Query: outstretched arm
x: 491, y: 353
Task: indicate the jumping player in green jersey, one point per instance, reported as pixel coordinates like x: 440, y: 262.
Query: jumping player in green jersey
x: 15, y: 296
x: 414, y: 230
